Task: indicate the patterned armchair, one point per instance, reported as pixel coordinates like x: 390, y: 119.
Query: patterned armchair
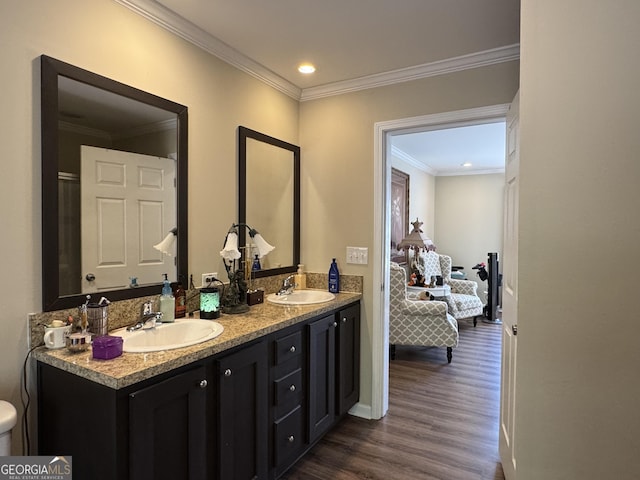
x: 418, y: 322
x: 464, y: 301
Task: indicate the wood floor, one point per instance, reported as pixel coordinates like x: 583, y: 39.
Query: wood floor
x: 442, y: 421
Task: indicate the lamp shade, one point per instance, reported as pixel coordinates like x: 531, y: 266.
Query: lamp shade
x: 416, y: 239
x: 262, y: 245
x: 166, y: 245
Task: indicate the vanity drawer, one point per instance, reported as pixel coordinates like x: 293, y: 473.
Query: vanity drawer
x: 288, y: 435
x: 287, y: 392
x: 288, y: 348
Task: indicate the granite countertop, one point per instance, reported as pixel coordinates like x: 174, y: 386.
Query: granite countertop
x: 131, y: 368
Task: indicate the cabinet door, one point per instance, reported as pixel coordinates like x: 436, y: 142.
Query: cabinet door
x: 243, y: 413
x: 348, y: 362
x: 168, y: 428
x: 322, y: 401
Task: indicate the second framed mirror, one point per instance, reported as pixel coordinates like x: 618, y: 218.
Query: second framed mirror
x: 269, y: 198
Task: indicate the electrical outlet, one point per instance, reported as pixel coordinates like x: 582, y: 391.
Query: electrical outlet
x: 207, y: 278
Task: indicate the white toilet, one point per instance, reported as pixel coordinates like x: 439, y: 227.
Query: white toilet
x: 8, y: 418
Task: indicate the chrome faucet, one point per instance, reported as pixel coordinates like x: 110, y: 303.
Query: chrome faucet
x: 287, y: 286
x: 148, y: 318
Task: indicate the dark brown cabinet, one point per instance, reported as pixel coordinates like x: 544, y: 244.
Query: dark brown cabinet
x: 322, y: 375
x: 156, y: 429
x: 168, y: 428
x: 348, y: 360
x: 287, y: 398
x: 246, y: 413
x: 334, y: 368
x: 242, y: 413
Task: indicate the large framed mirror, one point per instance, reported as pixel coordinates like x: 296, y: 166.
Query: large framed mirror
x: 269, y: 198
x: 114, y: 184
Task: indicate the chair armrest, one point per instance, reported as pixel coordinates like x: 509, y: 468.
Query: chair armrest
x: 421, y: 308
x: 466, y: 287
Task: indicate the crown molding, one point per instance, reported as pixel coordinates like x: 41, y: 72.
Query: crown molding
x: 459, y: 173
x: 177, y: 25
x: 441, y: 67
x: 169, y: 20
x: 408, y: 159
x: 405, y: 157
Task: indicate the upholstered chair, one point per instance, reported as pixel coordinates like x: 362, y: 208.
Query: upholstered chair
x: 418, y: 322
x: 464, y: 301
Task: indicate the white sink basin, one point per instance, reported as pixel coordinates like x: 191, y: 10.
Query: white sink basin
x: 166, y: 336
x: 301, y: 297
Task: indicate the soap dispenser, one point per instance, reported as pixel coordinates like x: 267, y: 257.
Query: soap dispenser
x: 301, y: 278
x: 167, y: 302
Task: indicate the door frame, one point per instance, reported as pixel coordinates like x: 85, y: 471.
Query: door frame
x: 382, y: 234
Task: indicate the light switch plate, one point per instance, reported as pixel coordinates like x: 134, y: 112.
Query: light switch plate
x: 358, y: 255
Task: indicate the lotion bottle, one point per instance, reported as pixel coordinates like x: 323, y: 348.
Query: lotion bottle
x: 301, y: 278
x: 167, y: 302
x: 334, y: 277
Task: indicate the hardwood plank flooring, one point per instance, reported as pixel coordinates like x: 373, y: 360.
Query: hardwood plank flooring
x: 442, y: 421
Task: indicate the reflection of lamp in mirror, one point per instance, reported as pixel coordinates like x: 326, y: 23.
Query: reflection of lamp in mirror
x: 166, y: 245
x: 235, y: 296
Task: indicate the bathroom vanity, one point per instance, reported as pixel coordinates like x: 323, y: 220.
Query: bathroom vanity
x: 245, y: 405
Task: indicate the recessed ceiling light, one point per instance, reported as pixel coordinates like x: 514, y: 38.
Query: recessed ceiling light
x: 306, y: 68
x: 466, y: 164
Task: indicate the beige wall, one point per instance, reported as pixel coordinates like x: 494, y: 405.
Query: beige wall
x: 577, y: 392
x: 336, y: 137
x: 106, y: 38
x: 468, y: 220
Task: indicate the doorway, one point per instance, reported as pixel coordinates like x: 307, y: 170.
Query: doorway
x: 381, y: 244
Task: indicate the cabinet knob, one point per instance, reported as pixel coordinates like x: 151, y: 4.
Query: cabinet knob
x: 227, y: 372
x: 344, y: 320
x: 291, y: 439
x: 292, y: 388
x: 292, y: 349
x: 335, y: 324
x: 203, y: 384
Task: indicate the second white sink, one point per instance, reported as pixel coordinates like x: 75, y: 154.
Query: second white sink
x: 301, y: 297
x: 167, y: 336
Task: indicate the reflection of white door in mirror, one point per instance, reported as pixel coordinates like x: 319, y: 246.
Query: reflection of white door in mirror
x: 127, y: 206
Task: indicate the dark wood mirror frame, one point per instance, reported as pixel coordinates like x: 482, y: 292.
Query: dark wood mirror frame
x: 243, y: 134
x: 51, y: 70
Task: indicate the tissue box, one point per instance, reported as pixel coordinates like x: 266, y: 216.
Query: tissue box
x: 107, y: 347
x: 255, y: 296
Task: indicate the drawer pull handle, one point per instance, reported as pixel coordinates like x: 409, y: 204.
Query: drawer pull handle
x: 293, y: 349
x: 292, y: 388
x: 203, y: 384
x: 291, y: 439
x: 227, y: 372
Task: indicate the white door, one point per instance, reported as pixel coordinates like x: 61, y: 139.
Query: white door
x: 127, y: 206
x: 510, y: 295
